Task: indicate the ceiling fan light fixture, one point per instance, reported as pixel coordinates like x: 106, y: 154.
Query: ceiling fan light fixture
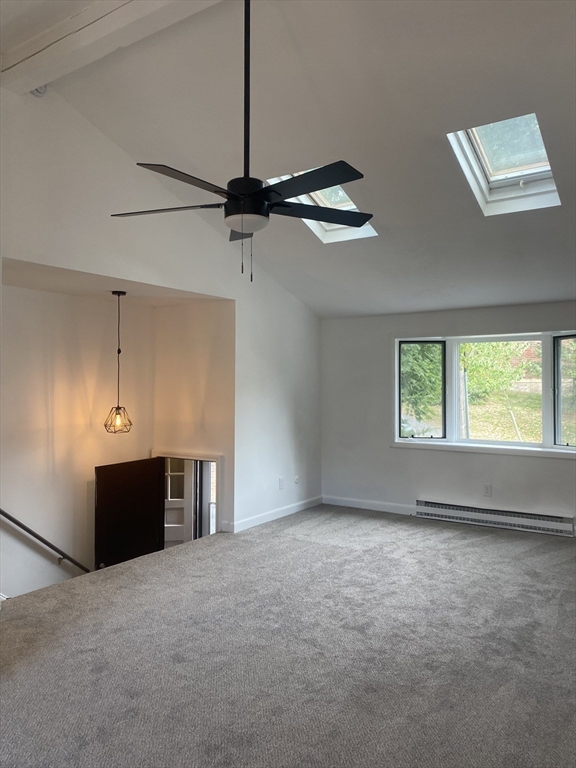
x: 247, y: 222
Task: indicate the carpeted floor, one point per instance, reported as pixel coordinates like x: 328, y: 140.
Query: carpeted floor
x: 333, y: 638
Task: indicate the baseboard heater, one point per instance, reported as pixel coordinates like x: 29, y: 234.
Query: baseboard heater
x: 497, y: 518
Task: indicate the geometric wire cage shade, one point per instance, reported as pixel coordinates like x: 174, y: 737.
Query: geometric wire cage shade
x: 118, y: 420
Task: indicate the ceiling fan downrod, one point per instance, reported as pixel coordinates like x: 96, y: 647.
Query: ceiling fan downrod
x: 245, y: 213
x: 247, y: 88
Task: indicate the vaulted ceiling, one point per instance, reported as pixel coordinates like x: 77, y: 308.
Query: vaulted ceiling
x: 378, y: 83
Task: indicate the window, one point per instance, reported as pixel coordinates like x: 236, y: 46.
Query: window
x: 506, y: 165
x: 422, y: 375
x: 565, y: 389
x: 332, y: 197
x: 514, y: 390
x: 500, y: 391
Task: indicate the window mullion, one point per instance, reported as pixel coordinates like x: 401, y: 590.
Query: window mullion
x: 451, y: 393
x: 547, y: 391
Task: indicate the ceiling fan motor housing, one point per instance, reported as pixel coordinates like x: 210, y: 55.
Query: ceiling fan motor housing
x: 246, y: 212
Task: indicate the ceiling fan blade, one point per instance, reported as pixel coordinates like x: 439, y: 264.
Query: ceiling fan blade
x: 172, y: 173
x: 239, y: 235
x: 321, y: 178
x: 169, y: 210
x: 320, y: 213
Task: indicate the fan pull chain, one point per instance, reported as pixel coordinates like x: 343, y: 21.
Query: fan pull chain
x: 251, y: 273
x: 242, y: 232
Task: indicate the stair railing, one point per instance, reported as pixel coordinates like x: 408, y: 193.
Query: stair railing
x: 63, y: 555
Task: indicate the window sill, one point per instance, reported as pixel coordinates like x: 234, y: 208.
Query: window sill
x: 502, y: 450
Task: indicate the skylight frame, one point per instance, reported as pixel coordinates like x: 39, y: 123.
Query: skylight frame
x: 507, y: 193
x: 325, y: 231
x: 530, y: 172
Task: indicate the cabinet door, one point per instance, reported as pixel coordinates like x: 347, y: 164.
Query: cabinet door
x: 129, y: 518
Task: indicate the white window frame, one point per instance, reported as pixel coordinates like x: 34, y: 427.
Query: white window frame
x: 557, y: 383
x: 513, y: 193
x: 452, y: 441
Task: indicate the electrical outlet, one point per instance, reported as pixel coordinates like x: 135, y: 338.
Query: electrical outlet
x: 280, y: 483
x: 487, y: 489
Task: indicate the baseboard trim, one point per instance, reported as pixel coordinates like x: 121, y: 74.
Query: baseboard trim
x: 376, y: 506
x: 273, y: 514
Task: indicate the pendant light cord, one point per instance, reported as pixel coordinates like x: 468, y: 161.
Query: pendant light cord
x: 118, y: 353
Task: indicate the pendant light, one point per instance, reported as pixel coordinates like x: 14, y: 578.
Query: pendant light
x: 118, y: 419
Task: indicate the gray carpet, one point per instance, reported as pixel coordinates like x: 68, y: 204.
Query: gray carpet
x: 334, y: 638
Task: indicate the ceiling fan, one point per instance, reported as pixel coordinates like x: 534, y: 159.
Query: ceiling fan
x: 250, y: 201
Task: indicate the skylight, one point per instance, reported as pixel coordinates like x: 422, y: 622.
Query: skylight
x: 506, y: 165
x: 331, y: 197
x: 511, y: 149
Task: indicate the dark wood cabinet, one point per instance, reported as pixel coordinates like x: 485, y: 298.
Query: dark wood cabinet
x: 129, y: 513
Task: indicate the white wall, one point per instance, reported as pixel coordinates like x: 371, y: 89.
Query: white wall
x: 61, y: 179
x: 277, y: 409
x: 360, y: 464
x: 194, y: 388
x: 265, y: 427
x: 58, y: 384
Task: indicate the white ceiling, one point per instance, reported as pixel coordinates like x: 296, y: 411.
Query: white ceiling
x: 378, y: 83
x: 22, y: 19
